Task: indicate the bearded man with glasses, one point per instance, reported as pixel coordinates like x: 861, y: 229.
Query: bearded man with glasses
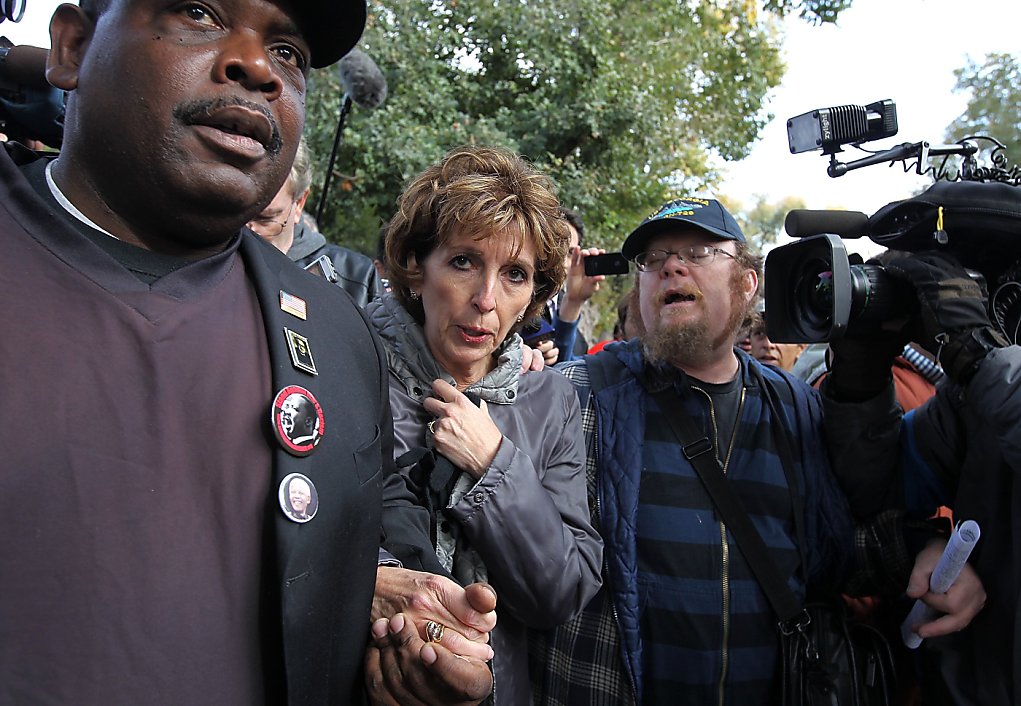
x: 680, y: 617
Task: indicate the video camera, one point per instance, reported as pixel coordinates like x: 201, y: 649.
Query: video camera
x: 816, y: 292
x: 30, y: 108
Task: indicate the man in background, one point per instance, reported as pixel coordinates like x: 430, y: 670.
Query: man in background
x: 563, y: 313
x: 767, y: 352
x: 284, y: 224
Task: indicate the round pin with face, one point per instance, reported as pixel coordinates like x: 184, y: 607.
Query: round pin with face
x: 297, y: 420
x: 298, y: 497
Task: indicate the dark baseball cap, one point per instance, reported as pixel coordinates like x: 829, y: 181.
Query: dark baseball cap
x: 331, y: 27
x: 703, y: 214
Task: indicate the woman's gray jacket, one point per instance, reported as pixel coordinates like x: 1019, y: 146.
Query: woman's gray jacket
x: 527, y: 518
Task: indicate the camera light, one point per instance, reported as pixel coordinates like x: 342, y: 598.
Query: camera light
x: 829, y: 128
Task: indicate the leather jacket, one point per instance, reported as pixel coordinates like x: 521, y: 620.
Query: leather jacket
x: 357, y: 274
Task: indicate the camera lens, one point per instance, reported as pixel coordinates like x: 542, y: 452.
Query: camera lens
x: 813, y: 294
x: 877, y: 297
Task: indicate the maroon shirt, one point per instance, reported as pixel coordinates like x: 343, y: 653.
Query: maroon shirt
x: 134, y: 471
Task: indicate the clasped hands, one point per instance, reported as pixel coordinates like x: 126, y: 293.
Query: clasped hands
x: 403, y: 666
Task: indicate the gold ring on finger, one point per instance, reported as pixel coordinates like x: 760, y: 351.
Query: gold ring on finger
x: 434, y: 631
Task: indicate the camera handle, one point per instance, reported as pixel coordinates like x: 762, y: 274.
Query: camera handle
x: 921, y: 150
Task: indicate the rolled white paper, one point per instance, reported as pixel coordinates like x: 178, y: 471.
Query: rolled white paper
x: 955, y: 556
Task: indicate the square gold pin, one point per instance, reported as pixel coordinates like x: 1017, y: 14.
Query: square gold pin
x: 301, y: 354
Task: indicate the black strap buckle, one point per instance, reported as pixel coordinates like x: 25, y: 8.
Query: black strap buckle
x: 798, y: 623
x: 697, y: 448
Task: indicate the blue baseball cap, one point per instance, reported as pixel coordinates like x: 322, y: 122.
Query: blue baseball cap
x: 703, y: 214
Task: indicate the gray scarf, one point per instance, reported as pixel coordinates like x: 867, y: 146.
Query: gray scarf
x: 412, y: 363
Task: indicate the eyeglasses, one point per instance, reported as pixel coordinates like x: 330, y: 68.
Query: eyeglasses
x: 694, y: 255
x: 267, y: 228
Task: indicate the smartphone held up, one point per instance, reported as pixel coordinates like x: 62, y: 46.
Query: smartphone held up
x: 612, y: 263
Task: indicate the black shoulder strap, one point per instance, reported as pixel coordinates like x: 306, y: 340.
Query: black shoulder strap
x: 697, y: 449
x: 783, y: 446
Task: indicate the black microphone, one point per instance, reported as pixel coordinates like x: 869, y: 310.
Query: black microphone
x: 365, y: 86
x: 25, y: 67
x: 362, y: 79
x: 801, y: 223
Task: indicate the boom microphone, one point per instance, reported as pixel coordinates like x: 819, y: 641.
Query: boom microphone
x: 362, y: 79
x: 25, y: 67
x: 365, y: 86
x: 801, y: 223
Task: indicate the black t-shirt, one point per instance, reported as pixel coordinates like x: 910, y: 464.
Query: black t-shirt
x: 147, y: 265
x: 726, y: 397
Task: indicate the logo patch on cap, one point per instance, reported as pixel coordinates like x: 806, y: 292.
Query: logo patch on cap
x: 679, y: 207
x: 680, y: 214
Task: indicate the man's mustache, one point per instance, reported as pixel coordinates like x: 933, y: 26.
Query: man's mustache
x: 193, y: 112
x: 688, y: 290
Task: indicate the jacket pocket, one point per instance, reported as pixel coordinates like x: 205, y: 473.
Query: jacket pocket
x: 368, y: 460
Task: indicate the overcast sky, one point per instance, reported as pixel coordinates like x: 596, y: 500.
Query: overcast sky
x: 904, y: 50
x: 32, y: 28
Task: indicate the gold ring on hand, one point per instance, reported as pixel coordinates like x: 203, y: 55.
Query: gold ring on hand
x: 433, y: 631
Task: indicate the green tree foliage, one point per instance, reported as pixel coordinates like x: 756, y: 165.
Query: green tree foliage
x: 814, y: 11
x: 994, y: 106
x: 762, y: 223
x: 621, y: 102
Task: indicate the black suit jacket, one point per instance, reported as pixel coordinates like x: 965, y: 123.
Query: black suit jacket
x: 322, y: 582
x: 318, y: 577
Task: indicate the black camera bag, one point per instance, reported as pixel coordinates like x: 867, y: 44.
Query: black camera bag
x: 830, y: 659
x: 981, y: 222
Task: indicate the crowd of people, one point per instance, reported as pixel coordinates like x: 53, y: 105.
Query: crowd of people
x: 264, y: 468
